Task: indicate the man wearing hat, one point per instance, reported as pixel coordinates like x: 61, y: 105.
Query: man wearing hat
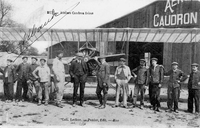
x: 156, y: 73
x: 22, y: 71
x: 141, y: 82
x: 9, y: 80
x: 122, y: 77
x: 79, y: 71
x: 59, y: 77
x: 103, y: 81
x: 32, y: 81
x: 194, y: 89
x: 175, y: 77
x: 43, y: 76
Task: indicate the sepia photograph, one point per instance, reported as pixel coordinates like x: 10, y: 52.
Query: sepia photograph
x: 100, y: 63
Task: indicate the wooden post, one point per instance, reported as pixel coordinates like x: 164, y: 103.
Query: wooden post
x: 127, y: 48
x: 51, y: 44
x: 103, y: 48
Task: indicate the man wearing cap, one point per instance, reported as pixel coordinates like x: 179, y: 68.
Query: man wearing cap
x: 22, y: 71
x: 103, y: 82
x: 32, y: 81
x: 9, y: 80
x: 156, y: 73
x: 141, y: 82
x: 59, y: 77
x: 194, y: 89
x: 79, y: 71
x: 175, y: 77
x: 122, y: 77
x: 43, y: 76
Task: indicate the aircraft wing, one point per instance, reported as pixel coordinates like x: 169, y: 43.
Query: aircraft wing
x: 114, y: 57
x: 93, y: 65
x: 66, y: 60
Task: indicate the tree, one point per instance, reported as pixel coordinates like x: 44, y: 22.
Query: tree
x: 18, y: 47
x: 5, y: 10
x: 7, y: 46
x: 44, y: 53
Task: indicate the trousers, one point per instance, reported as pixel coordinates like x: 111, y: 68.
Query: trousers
x: 8, y: 90
x: 172, y: 97
x: 139, y: 88
x: 193, y: 97
x: 44, y: 87
x: 33, y: 84
x: 154, y: 94
x: 22, y: 84
x: 102, y: 99
x: 79, y: 80
x: 124, y: 85
x: 60, y: 85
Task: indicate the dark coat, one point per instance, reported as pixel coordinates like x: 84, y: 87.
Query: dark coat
x: 19, y: 71
x: 74, y: 68
x: 157, y: 75
x: 103, y: 74
x: 32, y: 67
x: 142, y: 75
x: 194, y: 80
x: 11, y: 74
x: 175, y: 77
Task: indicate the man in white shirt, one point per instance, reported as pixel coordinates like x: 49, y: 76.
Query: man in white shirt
x: 59, y: 77
x: 122, y: 77
x: 43, y: 77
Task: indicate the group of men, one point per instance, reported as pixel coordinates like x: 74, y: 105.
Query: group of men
x: 153, y: 78
x: 39, y: 77
x: 30, y: 76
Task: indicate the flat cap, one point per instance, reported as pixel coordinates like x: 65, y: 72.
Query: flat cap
x: 195, y: 64
x: 174, y: 63
x: 123, y: 59
x: 143, y: 60
x: 9, y: 60
x: 79, y: 54
x: 43, y: 59
x: 25, y: 57
x: 34, y: 58
x: 154, y: 59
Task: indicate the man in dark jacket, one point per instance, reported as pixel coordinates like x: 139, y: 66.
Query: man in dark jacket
x: 79, y: 71
x: 103, y: 82
x: 32, y: 81
x: 175, y: 77
x: 22, y: 74
x: 9, y: 80
x: 156, y: 79
x: 141, y: 82
x: 194, y: 89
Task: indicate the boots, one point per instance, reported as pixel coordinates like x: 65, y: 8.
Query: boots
x: 104, y: 101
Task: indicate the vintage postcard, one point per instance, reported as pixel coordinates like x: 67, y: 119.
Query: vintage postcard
x: 99, y: 63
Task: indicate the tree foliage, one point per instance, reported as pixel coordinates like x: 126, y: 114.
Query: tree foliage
x: 17, y: 47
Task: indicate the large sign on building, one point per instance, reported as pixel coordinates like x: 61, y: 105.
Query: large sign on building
x: 162, y: 14
x: 177, y: 13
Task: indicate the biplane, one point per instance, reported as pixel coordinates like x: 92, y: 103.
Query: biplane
x: 102, y: 41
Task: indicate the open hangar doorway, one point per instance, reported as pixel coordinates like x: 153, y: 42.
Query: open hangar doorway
x: 137, y: 51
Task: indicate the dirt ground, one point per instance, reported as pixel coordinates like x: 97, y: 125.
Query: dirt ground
x: 29, y: 114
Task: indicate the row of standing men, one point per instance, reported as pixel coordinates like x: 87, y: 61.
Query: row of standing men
x: 30, y: 76
x: 38, y: 76
x: 152, y: 78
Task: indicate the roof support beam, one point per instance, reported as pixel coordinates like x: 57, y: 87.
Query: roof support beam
x: 178, y: 36
x: 169, y: 36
